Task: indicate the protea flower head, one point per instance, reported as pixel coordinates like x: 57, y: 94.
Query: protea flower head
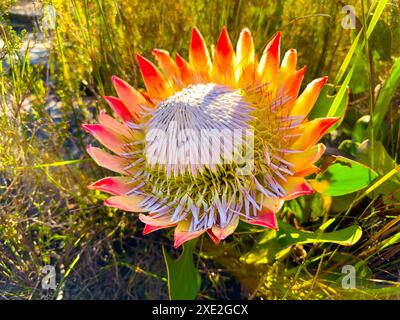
x: 211, y: 141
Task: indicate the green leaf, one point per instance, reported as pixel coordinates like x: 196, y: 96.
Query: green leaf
x: 275, y: 244
x: 183, y: 278
x: 385, y: 96
x: 289, y: 235
x: 325, y: 102
x: 346, y: 176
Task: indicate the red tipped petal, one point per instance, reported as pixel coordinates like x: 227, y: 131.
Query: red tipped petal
x: 156, y: 85
x: 153, y: 224
x: 291, y: 87
x: 182, y: 233
x: 114, y: 185
x: 108, y: 161
x: 289, y: 61
x: 126, y: 203
x: 199, y: 58
x: 296, y: 187
x: 309, y: 96
x: 163, y: 221
x: 289, y: 80
x: 245, y: 59
x: 184, y: 68
x: 120, y: 109
x: 269, y: 63
x: 217, y: 233
x: 148, y: 229
x: 265, y: 218
x: 306, y: 172
x: 167, y: 65
x: 224, y: 60
x: 112, y: 124
x: 303, y: 160
x: 129, y: 96
x: 312, y: 132
x: 272, y: 204
x: 213, y: 237
x: 106, y: 137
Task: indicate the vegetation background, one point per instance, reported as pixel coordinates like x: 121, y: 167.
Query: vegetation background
x: 56, y: 61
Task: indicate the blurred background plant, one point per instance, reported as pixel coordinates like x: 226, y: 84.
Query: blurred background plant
x: 56, y: 61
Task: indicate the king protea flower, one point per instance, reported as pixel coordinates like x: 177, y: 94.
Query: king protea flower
x: 155, y: 138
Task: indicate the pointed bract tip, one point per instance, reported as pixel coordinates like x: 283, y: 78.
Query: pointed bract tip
x: 196, y: 35
x: 89, y: 149
x: 245, y: 30
x: 303, y: 70
x: 86, y: 127
x: 195, y: 30
x: 323, y: 80
x: 146, y: 67
x: 274, y: 44
x: 149, y: 228
x: 118, y: 82
x: 156, y: 51
x: 214, y: 238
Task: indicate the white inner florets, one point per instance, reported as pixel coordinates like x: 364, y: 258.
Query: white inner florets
x: 204, y: 125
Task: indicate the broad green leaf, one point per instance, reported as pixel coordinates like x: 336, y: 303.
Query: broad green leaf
x: 289, y: 235
x: 183, y: 278
x: 275, y: 244
x: 325, y: 101
x: 385, y: 96
x: 346, y: 176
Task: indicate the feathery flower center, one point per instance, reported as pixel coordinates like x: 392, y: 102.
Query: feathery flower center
x: 198, y: 144
x: 204, y: 125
